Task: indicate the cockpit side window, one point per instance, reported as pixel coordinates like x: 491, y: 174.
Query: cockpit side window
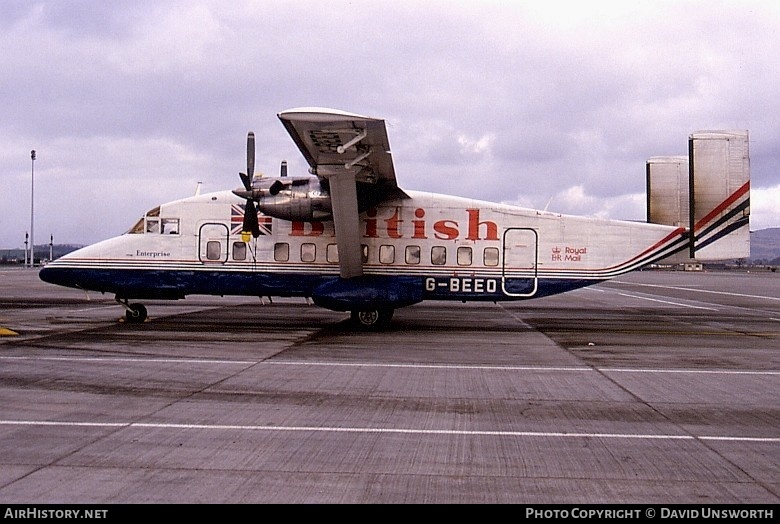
x: 152, y: 224
x: 170, y: 226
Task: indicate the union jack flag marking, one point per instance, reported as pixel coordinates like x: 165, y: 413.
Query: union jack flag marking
x: 237, y: 220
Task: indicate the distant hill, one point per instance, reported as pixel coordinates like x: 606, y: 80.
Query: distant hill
x: 16, y: 256
x: 765, y: 246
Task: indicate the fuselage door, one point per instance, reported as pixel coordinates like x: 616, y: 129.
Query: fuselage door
x: 213, y: 242
x: 519, y: 272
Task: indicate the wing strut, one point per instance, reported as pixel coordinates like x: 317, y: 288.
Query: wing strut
x: 343, y: 192
x: 341, y: 149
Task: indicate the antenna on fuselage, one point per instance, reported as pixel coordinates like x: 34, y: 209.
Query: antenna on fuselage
x: 283, y: 170
x: 197, y: 188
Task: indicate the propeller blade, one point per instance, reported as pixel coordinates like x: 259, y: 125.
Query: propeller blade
x: 275, y: 188
x: 250, y: 218
x: 250, y: 155
x: 246, y: 180
x: 251, y: 224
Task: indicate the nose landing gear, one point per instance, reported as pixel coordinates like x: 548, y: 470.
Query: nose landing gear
x: 134, y: 313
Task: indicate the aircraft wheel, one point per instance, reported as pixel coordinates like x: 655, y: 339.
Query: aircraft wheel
x: 136, y: 313
x: 372, y: 319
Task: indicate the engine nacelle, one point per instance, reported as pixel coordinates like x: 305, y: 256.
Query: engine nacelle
x: 296, y: 204
x: 290, y: 198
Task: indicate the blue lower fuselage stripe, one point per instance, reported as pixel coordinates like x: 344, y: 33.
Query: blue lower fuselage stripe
x: 175, y: 284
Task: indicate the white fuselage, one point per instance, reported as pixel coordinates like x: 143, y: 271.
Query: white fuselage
x: 452, y: 248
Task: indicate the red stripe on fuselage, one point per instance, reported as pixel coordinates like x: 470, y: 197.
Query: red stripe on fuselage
x: 676, y: 233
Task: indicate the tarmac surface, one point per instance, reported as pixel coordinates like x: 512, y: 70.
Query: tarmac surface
x: 656, y: 388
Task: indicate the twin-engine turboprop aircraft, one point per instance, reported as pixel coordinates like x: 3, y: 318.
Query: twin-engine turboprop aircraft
x: 350, y: 239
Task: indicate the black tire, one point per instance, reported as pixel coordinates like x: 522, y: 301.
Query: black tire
x: 136, y: 314
x: 373, y: 319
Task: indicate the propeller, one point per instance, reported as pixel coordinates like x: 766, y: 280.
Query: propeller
x: 251, y: 224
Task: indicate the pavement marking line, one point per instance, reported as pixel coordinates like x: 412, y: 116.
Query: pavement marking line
x: 665, y: 301
x: 741, y: 439
x: 96, y: 308
x: 55, y: 423
x: 385, y: 365
x: 522, y: 368
x: 7, y: 332
x: 692, y: 371
x: 138, y: 360
x: 290, y: 363
x: 408, y: 431
x: 696, y: 290
x: 426, y: 366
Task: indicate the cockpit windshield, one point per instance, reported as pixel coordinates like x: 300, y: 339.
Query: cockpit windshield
x: 137, y: 229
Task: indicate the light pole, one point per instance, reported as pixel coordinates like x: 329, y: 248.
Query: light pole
x: 32, y: 212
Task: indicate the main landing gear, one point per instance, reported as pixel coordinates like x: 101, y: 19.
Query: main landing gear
x: 373, y: 319
x: 134, y: 313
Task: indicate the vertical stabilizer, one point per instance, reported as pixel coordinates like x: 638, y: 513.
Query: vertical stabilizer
x: 719, y: 173
x: 667, y: 190
x: 707, y: 192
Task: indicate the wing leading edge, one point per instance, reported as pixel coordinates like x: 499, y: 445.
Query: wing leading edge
x: 352, y: 153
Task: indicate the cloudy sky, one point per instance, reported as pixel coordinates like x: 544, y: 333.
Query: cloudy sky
x: 547, y: 103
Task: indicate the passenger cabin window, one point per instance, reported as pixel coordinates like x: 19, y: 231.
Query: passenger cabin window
x: 438, y: 255
x: 281, y: 252
x: 490, y: 256
x: 332, y: 254
x: 239, y: 251
x: 412, y: 254
x: 464, y: 256
x: 308, y: 252
x: 386, y: 254
x: 213, y: 250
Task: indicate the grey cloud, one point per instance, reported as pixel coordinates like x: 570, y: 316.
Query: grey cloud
x: 481, y: 99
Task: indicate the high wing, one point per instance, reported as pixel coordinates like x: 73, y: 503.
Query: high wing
x: 351, y: 152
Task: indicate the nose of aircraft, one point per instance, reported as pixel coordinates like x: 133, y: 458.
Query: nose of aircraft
x: 74, y: 269
x: 63, y: 272
x: 57, y: 275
